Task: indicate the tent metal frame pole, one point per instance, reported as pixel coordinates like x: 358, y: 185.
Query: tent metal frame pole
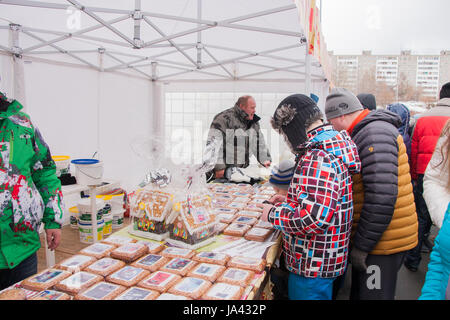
x: 259, y: 29
x: 280, y: 69
x: 155, y: 27
x: 287, y: 69
x: 61, y: 50
x: 68, y: 35
x: 199, y: 34
x: 222, y: 66
x: 131, y: 67
x: 215, y: 24
x: 100, y: 20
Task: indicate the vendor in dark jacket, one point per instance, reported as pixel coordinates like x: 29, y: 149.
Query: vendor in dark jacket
x: 384, y: 221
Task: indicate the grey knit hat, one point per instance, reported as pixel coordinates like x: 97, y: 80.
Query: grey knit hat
x: 282, y: 174
x: 340, y: 102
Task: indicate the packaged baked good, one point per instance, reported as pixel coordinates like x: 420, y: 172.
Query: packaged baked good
x: 220, y: 227
x: 173, y: 252
x: 192, y: 222
x: 242, y: 199
x: 225, y: 218
x: 45, y: 279
x: 212, y: 257
x: 264, y: 224
x: 258, y: 234
x: 248, y: 263
x: 98, y: 250
x: 101, y: 291
x: 218, y: 211
x: 237, y: 276
x: 179, y: 266
x: 257, y: 201
x: 169, y: 296
x: 236, y: 205
x: 160, y: 281
x: 153, y: 246
x: 136, y: 293
x: 237, y: 229
x: 245, y: 219
x: 242, y: 194
x: 76, y: 263
x: 78, y: 282
x: 151, y: 262
x: 248, y: 213
x: 129, y: 252
x: 105, y: 266
x: 118, y: 240
x: 149, y: 210
x: 191, y: 287
x: 51, y: 295
x: 223, y: 291
x: 128, y: 276
x: 13, y: 294
x: 220, y: 202
x: 253, y: 207
x: 207, y: 271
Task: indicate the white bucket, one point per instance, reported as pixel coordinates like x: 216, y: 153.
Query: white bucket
x: 62, y: 164
x: 85, y: 230
x: 73, y: 217
x: 88, y: 171
x: 117, y: 221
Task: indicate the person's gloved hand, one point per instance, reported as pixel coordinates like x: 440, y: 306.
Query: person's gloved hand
x: 358, y: 259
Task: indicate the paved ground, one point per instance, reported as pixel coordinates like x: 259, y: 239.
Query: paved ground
x: 409, y: 284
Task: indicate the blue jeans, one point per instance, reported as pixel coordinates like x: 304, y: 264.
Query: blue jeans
x: 302, y: 288
x: 23, y: 270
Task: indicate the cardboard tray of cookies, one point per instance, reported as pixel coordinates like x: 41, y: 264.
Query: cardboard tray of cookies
x: 173, y: 252
x: 136, y: 293
x: 101, y: 291
x: 248, y: 263
x: 212, y: 257
x: 151, y: 262
x: 237, y: 229
x: 76, y: 263
x: 207, y: 271
x: 223, y: 291
x: 237, y: 276
x: 78, y: 282
x: 128, y: 276
x: 190, y: 287
x: 258, y: 234
x: 160, y: 281
x: 98, y: 250
x: 129, y: 252
x: 51, y: 295
x: 105, y: 266
x: 45, y: 279
x: 179, y: 266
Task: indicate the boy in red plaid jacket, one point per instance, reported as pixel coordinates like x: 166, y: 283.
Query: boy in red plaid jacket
x: 317, y: 216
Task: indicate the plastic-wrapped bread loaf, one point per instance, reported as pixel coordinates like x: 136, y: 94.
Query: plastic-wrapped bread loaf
x: 151, y: 262
x: 101, y: 291
x: 190, y: 287
x: 223, y: 291
x: 236, y: 276
x: 212, y: 257
x: 129, y: 252
x: 207, y: 271
x: 105, y: 266
x: 136, y: 293
x: 128, y: 276
x: 45, y: 279
x: 78, y: 282
x: 248, y: 263
x: 160, y: 281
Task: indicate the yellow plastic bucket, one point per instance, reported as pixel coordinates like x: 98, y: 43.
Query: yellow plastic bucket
x: 62, y: 164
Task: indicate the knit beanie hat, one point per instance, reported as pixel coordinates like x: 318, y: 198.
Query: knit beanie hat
x: 341, y: 102
x: 293, y: 116
x: 367, y: 100
x: 445, y: 91
x: 282, y: 174
x: 3, y: 96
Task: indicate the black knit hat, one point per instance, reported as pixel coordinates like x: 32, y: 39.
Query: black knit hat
x: 293, y: 116
x: 445, y: 91
x: 367, y: 100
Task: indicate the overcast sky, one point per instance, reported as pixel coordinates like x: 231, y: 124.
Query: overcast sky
x: 386, y: 26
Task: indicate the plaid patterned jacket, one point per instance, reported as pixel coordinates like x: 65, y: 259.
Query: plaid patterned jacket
x: 317, y: 217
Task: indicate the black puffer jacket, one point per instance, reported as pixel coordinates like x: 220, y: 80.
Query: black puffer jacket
x: 385, y: 220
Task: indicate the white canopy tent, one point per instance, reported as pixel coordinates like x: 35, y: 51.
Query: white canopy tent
x: 93, y: 74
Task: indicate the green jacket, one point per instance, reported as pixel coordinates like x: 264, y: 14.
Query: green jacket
x: 30, y: 192
x: 240, y: 139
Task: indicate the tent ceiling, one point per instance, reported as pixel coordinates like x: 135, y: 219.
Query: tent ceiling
x: 164, y: 40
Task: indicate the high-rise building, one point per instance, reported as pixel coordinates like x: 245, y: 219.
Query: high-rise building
x: 427, y: 72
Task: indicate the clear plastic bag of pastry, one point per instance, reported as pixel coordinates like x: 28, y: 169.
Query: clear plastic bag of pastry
x: 193, y: 221
x: 152, y: 201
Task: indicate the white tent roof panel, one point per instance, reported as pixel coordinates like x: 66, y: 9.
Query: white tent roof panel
x: 264, y: 33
